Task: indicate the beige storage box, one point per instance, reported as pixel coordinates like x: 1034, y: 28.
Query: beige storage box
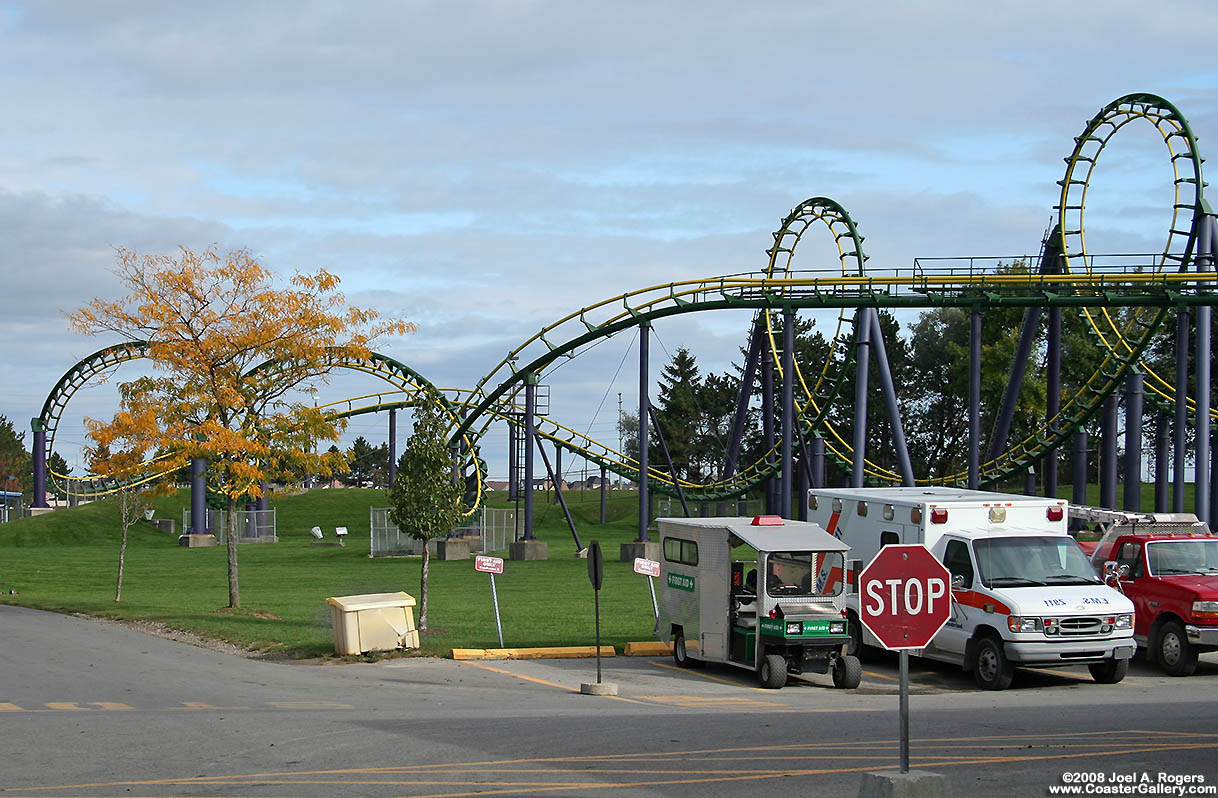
x: 373, y: 622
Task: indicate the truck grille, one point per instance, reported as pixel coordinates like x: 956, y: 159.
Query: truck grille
x: 1077, y: 627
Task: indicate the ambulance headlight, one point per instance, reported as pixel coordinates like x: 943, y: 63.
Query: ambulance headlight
x: 1123, y: 622
x: 837, y: 627
x: 1017, y: 623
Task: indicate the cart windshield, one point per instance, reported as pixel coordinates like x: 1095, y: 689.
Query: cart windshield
x: 804, y: 573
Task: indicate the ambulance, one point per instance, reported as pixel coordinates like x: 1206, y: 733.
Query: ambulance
x: 763, y: 594
x: 1023, y: 592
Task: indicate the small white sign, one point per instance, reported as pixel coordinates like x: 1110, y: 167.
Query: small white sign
x: 646, y: 567
x: 488, y: 565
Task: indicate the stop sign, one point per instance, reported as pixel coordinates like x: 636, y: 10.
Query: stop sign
x: 904, y: 596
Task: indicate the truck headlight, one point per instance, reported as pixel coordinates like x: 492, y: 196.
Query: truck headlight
x: 1018, y: 623
x: 1123, y: 622
x: 1205, y: 610
x: 837, y: 628
x: 795, y: 627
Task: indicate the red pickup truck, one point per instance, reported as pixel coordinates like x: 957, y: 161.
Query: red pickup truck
x: 1168, y: 566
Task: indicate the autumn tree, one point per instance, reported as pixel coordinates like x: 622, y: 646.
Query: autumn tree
x: 424, y: 501
x: 230, y: 346
x: 123, y: 467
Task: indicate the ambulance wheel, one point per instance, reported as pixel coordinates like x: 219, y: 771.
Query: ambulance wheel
x: 680, y: 655
x: 1176, y: 656
x: 1110, y: 671
x: 991, y: 668
x: 847, y: 672
x: 773, y: 672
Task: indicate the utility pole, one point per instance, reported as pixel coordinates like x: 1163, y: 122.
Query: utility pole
x: 619, y: 429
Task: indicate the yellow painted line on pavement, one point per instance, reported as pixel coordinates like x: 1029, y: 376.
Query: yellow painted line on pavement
x: 65, y: 706
x: 7, y: 707
x: 707, y: 676
x: 205, y: 705
x: 897, y: 679
x: 110, y: 705
x: 543, y: 682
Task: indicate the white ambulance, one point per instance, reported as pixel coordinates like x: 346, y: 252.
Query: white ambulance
x: 762, y: 594
x: 1024, y: 593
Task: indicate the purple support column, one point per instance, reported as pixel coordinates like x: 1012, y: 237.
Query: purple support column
x: 1079, y: 478
x: 40, y: 464
x: 393, y: 446
x: 788, y: 411
x: 974, y: 400
x: 1108, y: 453
x: 862, y: 363
x: 1201, y: 463
x: 1181, y: 427
x: 644, y: 427
x: 530, y: 407
x: 1134, y: 393
x: 1162, y: 458
x: 198, y: 496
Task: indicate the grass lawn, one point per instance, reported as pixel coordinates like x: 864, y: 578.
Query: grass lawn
x: 67, y: 561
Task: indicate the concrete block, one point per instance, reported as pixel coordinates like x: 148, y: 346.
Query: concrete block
x: 33, y: 511
x: 598, y: 688
x: 194, y: 541
x: 452, y: 549
x: 914, y: 784
x: 528, y: 550
x: 649, y: 551
x: 165, y: 525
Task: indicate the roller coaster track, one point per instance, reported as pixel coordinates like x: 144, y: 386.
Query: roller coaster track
x: 1151, y: 290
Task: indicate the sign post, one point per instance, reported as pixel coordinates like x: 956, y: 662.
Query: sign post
x: 905, y: 598
x: 649, y: 569
x: 596, y: 574
x: 492, y: 566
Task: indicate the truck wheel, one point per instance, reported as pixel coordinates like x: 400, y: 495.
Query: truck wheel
x: 680, y: 655
x: 856, y: 647
x: 1176, y: 655
x: 773, y: 672
x: 847, y: 672
x: 1110, y: 671
x: 991, y: 668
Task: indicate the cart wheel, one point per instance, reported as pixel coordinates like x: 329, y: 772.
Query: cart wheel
x: 991, y: 668
x: 680, y: 655
x: 1110, y: 671
x: 773, y: 672
x: 1175, y: 654
x: 847, y: 672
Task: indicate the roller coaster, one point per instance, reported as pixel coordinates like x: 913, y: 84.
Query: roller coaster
x: 1176, y: 282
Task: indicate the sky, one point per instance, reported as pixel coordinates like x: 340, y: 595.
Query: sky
x: 485, y: 168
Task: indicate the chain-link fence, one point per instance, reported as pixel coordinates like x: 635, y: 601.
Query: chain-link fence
x: 488, y: 529
x: 253, y: 526
x: 12, y: 509
x: 668, y: 507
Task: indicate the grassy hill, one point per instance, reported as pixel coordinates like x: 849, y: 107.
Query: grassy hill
x: 67, y: 561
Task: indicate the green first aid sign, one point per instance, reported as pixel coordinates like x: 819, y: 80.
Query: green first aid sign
x: 681, y: 582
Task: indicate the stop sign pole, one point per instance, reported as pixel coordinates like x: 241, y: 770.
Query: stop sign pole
x: 904, y: 600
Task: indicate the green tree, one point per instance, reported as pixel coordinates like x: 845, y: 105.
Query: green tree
x: 424, y: 502
x: 361, y: 460
x: 678, y: 415
x: 16, y: 471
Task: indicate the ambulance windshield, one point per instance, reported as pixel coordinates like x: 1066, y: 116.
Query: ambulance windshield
x: 1033, y: 562
x: 804, y: 573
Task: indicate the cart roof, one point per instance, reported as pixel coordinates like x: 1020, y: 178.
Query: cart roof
x: 790, y: 536
x: 930, y: 494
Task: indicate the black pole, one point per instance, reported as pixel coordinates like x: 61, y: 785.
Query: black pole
x: 1133, y: 441
x: 393, y: 445
x: 818, y: 462
x: 974, y: 400
x: 1201, y: 464
x: 644, y: 405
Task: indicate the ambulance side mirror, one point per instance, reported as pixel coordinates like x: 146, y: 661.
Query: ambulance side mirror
x: 957, y: 581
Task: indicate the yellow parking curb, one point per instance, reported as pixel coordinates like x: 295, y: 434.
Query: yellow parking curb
x: 555, y: 652
x: 649, y: 649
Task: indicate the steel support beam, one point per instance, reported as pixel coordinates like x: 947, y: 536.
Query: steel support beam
x: 556, y: 481
x: 1180, y: 460
x: 603, y: 482
x: 198, y: 496
x: 530, y: 430
x: 1201, y: 464
x: 40, y: 464
x: 1079, y: 477
x: 644, y: 413
x: 974, y: 400
x: 1162, y: 458
x: 393, y: 445
x: 767, y: 422
x: 818, y: 462
x: 788, y: 412
x: 1053, y: 392
x: 513, y: 455
x: 672, y: 468
x: 904, y: 464
x: 1108, y: 453
x: 1134, y: 393
x: 743, y: 399
x: 862, y: 365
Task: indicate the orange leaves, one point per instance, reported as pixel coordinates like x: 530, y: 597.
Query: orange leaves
x: 210, y: 318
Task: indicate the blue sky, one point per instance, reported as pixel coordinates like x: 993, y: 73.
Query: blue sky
x: 484, y: 168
